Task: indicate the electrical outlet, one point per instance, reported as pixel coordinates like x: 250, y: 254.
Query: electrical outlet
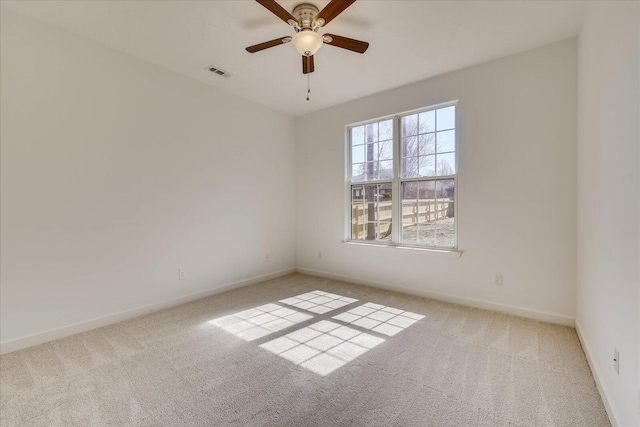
x: 182, y: 274
x: 616, y: 360
x: 497, y: 279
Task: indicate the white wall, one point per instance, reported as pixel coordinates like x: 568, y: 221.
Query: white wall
x: 516, y: 188
x: 116, y: 173
x: 608, y: 201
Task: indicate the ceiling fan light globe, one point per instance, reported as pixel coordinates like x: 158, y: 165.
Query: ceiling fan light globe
x: 307, y: 42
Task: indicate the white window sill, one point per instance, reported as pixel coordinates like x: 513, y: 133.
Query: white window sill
x: 449, y: 253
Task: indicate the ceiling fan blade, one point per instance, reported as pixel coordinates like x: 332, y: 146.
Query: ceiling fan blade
x: 307, y: 64
x: 278, y: 10
x: 346, y: 43
x: 333, y: 9
x: 267, y: 45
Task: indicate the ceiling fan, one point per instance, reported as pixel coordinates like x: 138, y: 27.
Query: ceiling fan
x: 306, y: 20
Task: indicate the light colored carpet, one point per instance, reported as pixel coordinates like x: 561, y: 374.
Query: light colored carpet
x: 258, y: 356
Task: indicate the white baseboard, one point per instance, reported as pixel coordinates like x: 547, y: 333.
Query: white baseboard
x: 486, y: 305
x: 54, y: 334
x: 596, y: 376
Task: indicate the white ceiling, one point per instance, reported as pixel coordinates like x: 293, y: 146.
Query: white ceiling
x: 409, y: 41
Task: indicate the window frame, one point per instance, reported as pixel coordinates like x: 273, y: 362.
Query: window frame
x: 397, y: 181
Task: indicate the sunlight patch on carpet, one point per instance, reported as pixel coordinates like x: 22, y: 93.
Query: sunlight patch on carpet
x: 322, y: 347
x: 330, y: 342
x: 379, y: 318
x: 260, y: 321
x: 319, y: 302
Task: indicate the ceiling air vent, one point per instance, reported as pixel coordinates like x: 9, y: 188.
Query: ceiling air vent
x: 218, y: 71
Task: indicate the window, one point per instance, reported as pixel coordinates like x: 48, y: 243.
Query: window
x: 402, y: 179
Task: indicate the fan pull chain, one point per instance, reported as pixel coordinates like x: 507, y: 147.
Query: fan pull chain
x: 308, y: 85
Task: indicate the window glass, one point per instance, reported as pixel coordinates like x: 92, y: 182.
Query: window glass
x: 424, y: 214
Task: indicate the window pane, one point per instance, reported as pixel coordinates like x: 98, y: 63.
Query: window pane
x: 358, y: 212
x: 425, y: 211
x: 357, y: 193
x: 409, y: 218
x: 371, y: 132
x: 428, y: 213
x: 382, y: 211
x: 371, y: 212
x: 427, y: 166
x: 445, y: 233
x: 427, y: 121
x: 385, y: 170
x: 371, y: 168
x: 409, y: 147
x: 357, y: 154
x: 446, y: 118
x: 427, y: 144
x: 372, y: 231
x: 386, y: 150
x: 426, y: 190
x: 383, y: 231
x: 445, y: 227
x: 410, y: 167
x: 370, y: 193
x: 365, y: 153
x: 357, y: 231
x: 384, y: 192
x: 369, y: 231
x: 427, y: 235
x: 371, y: 151
x: 409, y: 125
x: 385, y: 130
x: 445, y: 189
x: 385, y: 204
x: 376, y: 172
x: 410, y: 234
x: 446, y: 141
x: 409, y: 190
x: 446, y: 164
x: 357, y: 135
x: 410, y: 212
x: 358, y: 172
x: 372, y: 202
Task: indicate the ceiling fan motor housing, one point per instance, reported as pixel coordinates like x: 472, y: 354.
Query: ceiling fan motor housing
x: 305, y: 13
